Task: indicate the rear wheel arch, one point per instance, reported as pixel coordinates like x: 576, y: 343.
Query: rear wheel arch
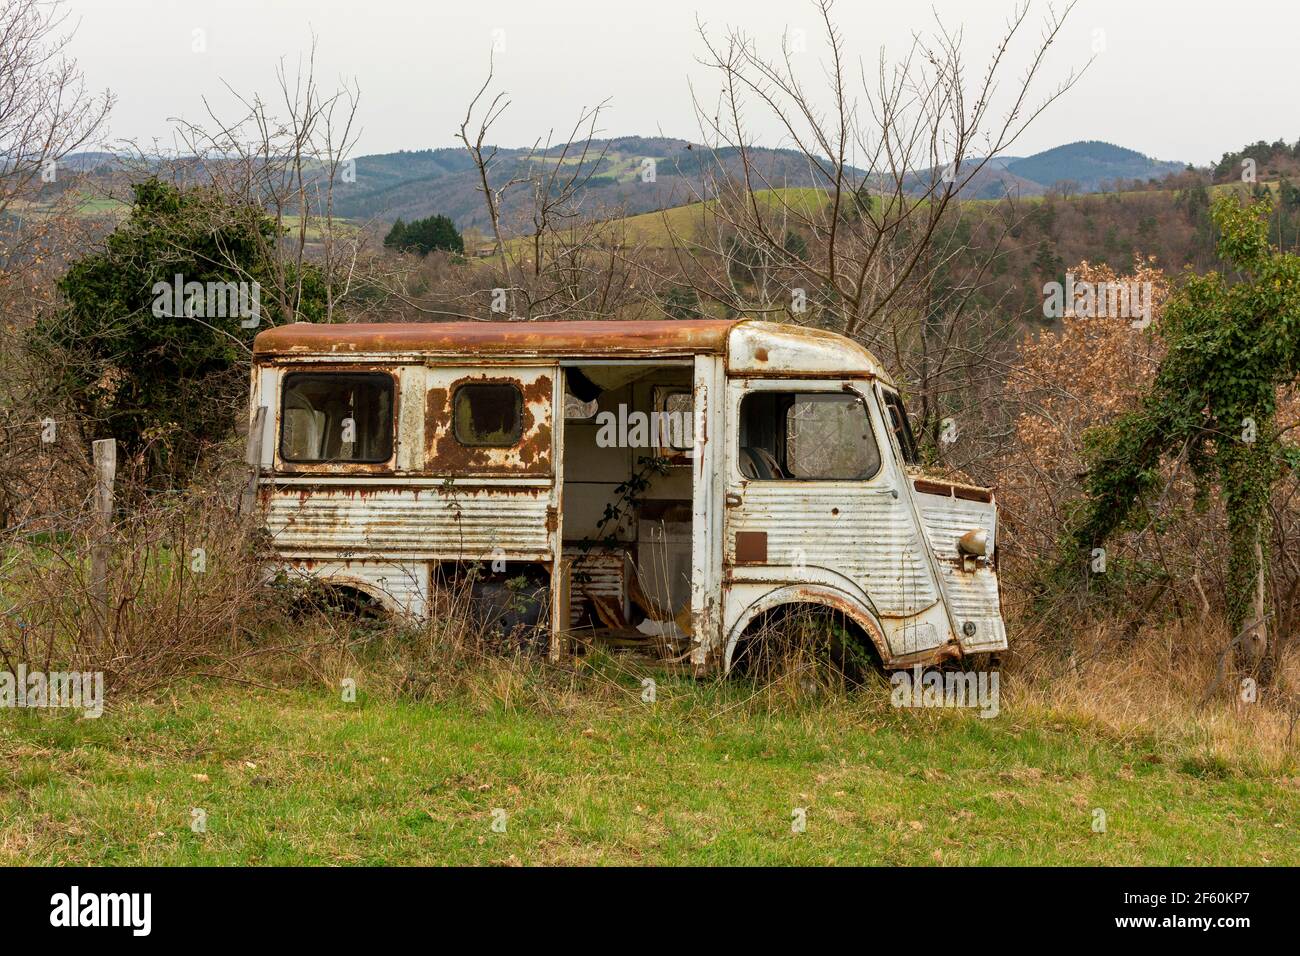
x: 348, y: 592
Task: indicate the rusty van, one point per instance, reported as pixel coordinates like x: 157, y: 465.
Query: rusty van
x: 675, y: 480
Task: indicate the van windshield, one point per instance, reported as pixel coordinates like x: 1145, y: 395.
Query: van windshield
x: 902, y: 427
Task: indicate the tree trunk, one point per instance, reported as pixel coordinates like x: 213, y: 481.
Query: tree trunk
x: 1256, y: 642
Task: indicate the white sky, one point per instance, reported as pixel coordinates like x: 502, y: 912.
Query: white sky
x: 1178, y: 79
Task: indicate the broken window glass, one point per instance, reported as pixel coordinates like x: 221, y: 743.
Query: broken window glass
x: 902, y: 428
x: 337, y: 417
x: 673, y: 424
x: 806, y: 436
x: 576, y: 410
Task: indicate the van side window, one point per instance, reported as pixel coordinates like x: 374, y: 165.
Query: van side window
x: 898, y: 421
x: 336, y: 417
x: 674, y: 428
x: 806, y: 436
x: 488, y: 414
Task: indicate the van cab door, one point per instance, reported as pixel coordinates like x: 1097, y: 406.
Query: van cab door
x: 815, y: 497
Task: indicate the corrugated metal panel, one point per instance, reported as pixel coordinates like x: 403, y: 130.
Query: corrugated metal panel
x: 604, y: 572
x: 972, y: 595
x: 871, y: 540
x: 402, y: 586
x: 947, y: 521
x: 418, y: 523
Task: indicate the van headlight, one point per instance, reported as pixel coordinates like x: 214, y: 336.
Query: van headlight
x: 974, y: 542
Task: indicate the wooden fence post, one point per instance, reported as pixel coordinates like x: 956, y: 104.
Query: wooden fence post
x: 254, y: 459
x: 105, y: 458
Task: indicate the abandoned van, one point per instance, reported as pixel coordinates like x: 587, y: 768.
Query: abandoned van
x: 667, y: 482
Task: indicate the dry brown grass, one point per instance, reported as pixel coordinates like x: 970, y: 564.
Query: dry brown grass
x: 1151, y: 685
x: 184, y: 593
x: 1163, y: 683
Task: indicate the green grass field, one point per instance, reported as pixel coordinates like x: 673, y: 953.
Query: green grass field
x: 682, y: 223
x: 701, y: 776
x: 688, y: 223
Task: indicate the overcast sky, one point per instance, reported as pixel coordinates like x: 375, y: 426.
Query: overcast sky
x: 1175, y: 79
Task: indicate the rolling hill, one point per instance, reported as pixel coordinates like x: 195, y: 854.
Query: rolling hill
x: 633, y: 175
x: 420, y: 183
x: 1093, y: 166
x: 623, y: 176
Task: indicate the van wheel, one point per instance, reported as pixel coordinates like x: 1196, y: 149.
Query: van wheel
x: 809, y: 644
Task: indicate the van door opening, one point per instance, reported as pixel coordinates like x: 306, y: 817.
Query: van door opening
x: 626, y: 497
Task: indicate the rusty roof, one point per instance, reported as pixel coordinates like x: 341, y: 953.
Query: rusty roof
x: 619, y: 338
x: 751, y: 347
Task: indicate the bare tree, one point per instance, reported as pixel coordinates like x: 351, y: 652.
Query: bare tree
x: 46, y: 115
x: 287, y: 156
x: 564, y: 263
x: 484, y: 155
x: 559, y: 177
x: 888, y: 178
x: 875, y: 249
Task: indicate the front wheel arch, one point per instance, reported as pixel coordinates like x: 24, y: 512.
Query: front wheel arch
x: 823, y: 598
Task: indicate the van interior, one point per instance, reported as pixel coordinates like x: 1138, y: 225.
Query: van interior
x: 626, y: 494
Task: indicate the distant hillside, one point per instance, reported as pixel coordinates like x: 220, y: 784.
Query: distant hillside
x: 413, y: 184
x: 634, y: 175
x: 1040, y: 238
x: 993, y: 181
x: 421, y: 183
x: 1277, y: 160
x: 1092, y: 166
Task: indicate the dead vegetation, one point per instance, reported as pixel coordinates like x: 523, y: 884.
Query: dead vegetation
x: 189, y: 600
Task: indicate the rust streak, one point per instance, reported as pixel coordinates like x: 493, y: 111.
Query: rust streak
x: 531, y: 457
x: 949, y: 489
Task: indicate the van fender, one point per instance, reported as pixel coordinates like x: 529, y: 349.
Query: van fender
x: 859, y: 612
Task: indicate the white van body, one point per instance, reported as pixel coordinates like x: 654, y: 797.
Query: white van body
x: 389, y: 453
